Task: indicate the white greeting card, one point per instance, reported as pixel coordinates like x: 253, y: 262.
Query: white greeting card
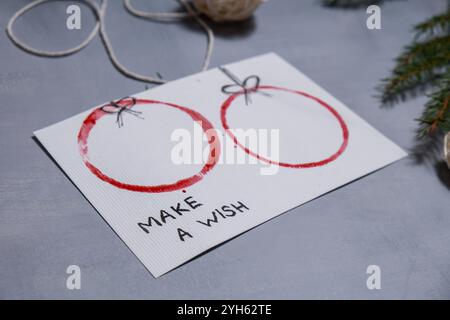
x: 180, y: 168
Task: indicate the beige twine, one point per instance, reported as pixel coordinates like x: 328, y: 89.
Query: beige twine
x: 227, y: 10
x: 99, y: 13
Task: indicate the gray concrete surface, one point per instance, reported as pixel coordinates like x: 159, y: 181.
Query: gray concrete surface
x: 397, y: 218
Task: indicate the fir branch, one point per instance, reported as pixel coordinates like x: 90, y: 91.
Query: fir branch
x: 425, y: 62
x: 421, y: 50
x: 437, y: 111
x: 434, y: 26
x: 350, y: 3
x: 421, y: 63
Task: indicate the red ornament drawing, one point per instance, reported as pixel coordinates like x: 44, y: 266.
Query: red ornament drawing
x: 125, y: 105
x: 345, y: 133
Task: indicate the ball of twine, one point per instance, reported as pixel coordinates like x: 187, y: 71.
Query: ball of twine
x: 227, y: 10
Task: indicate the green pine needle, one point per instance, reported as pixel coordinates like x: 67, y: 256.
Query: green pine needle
x: 437, y: 110
x: 435, y: 25
x: 420, y: 64
x: 424, y: 63
x: 350, y: 3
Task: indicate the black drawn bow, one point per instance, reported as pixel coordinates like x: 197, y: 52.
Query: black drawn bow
x: 119, y: 107
x: 249, y: 85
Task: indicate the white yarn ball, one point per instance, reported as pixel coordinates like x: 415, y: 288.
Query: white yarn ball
x: 227, y: 10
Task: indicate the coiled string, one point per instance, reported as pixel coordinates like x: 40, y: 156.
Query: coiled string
x: 99, y: 13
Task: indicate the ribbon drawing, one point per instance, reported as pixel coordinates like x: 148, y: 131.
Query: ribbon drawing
x: 247, y: 86
x: 119, y: 107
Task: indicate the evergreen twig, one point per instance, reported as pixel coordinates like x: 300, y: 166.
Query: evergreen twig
x: 350, y: 3
x: 434, y: 25
x: 425, y: 62
x: 437, y: 110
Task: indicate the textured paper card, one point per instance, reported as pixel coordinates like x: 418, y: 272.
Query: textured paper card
x: 121, y: 156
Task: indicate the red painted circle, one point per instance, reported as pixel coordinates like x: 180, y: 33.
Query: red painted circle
x: 337, y: 116
x: 208, y: 129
